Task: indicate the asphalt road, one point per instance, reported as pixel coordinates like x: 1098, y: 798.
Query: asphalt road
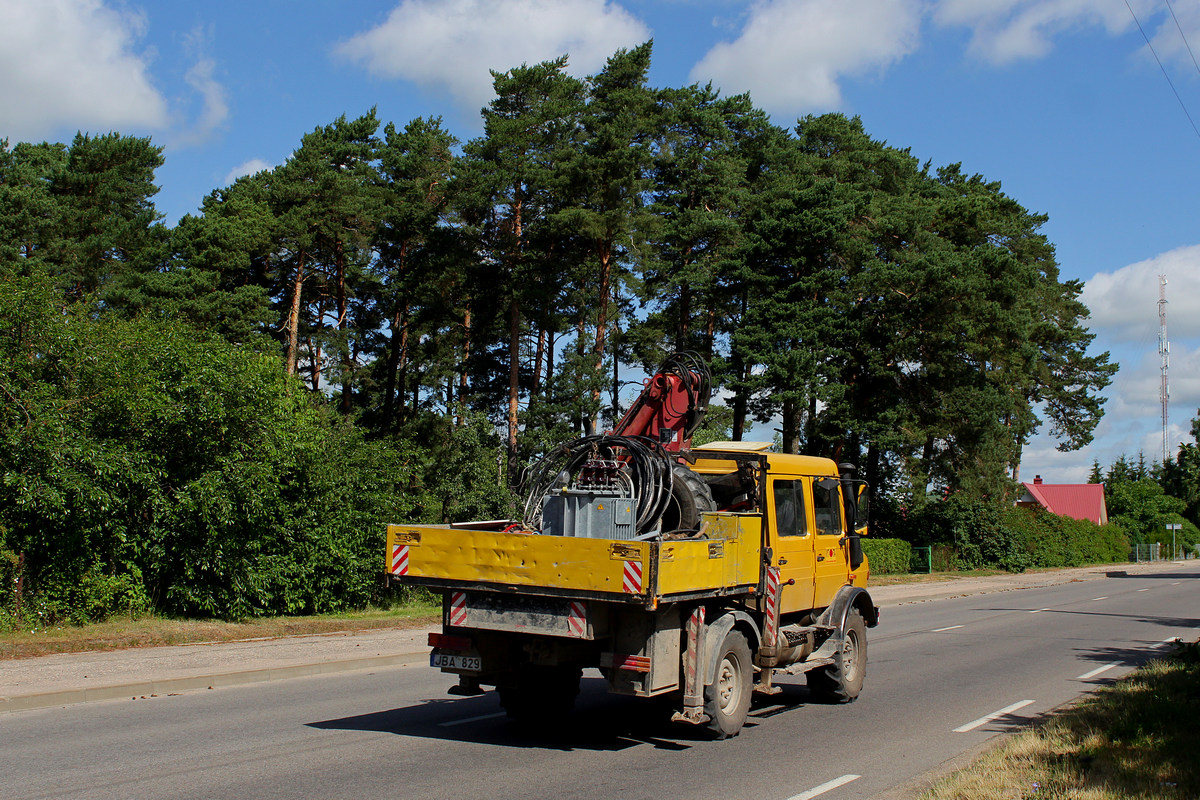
x: 944, y: 677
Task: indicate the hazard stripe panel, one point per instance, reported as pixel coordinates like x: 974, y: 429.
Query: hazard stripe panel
x: 633, y: 577
x: 577, y: 619
x: 400, y: 559
x: 458, y: 609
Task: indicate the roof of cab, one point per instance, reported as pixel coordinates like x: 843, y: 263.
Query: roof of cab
x: 778, y: 463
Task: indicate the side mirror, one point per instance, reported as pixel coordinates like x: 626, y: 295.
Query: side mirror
x: 863, y: 507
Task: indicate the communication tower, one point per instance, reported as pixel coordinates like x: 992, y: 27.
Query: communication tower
x: 1164, y: 353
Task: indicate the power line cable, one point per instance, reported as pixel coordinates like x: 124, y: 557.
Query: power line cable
x: 1164, y: 69
x: 1182, y: 35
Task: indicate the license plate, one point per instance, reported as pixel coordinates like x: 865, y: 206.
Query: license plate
x: 450, y: 661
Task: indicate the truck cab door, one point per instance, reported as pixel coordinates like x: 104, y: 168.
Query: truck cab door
x: 832, y: 568
x: 791, y: 542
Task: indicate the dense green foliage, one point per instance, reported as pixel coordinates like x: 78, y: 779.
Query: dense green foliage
x: 219, y: 417
x: 888, y: 556
x: 980, y: 534
x: 1144, y: 499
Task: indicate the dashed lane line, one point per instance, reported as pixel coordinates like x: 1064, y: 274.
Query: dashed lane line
x: 970, y: 726
x: 828, y: 786
x: 1089, y: 675
x: 468, y: 720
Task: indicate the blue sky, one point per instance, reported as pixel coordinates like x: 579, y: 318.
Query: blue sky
x: 1062, y: 101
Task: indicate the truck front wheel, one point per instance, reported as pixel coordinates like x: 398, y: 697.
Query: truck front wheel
x: 842, y: 681
x: 727, y: 699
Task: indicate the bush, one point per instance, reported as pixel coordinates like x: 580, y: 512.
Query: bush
x: 1054, y: 541
x: 888, y: 556
x: 145, y: 464
x: 972, y: 534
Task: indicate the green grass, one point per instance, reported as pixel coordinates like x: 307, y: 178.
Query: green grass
x: 149, y: 631
x: 1135, y: 740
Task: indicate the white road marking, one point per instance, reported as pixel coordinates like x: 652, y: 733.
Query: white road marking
x: 480, y: 718
x: 1094, y: 599
x: 939, y: 630
x: 1038, y: 611
x: 1143, y: 590
x: 828, y: 786
x: 970, y: 726
x: 1087, y: 675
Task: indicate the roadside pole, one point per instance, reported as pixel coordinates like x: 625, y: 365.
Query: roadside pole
x: 1172, y: 527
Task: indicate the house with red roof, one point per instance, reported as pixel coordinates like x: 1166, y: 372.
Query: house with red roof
x: 1075, y: 500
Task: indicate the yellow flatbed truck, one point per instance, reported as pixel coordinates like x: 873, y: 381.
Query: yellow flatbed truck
x: 699, y: 573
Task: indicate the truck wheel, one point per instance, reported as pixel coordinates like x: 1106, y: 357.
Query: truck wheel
x: 690, y: 497
x: 538, y: 694
x: 727, y: 699
x: 842, y: 681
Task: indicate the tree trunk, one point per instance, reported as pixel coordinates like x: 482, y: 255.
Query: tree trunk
x: 293, y: 318
x: 462, y: 373
x: 685, y: 314
x: 601, y: 321
x: 514, y: 374
x: 537, y: 361
x: 342, y: 307
x: 739, y: 399
x: 791, y: 427
x: 314, y: 351
x: 395, y: 342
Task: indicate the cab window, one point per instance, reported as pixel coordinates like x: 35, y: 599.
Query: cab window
x: 789, y: 508
x: 827, y: 507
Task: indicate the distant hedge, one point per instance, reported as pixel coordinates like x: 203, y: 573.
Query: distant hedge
x: 979, y: 535
x: 888, y: 556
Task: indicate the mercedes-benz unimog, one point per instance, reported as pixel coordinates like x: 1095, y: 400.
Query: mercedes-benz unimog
x: 698, y: 573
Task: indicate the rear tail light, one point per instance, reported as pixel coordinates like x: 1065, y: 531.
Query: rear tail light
x: 445, y: 641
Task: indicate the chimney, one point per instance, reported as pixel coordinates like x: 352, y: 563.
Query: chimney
x: 1037, y: 480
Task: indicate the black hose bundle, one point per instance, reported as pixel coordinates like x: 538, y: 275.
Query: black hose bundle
x: 640, y: 464
x: 696, y: 378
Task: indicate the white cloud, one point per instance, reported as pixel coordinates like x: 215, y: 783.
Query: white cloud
x: 214, y: 109
x: 792, y: 53
x: 1173, y: 40
x: 1011, y: 30
x: 1124, y: 303
x: 451, y: 44
x: 71, y: 63
x: 251, y: 167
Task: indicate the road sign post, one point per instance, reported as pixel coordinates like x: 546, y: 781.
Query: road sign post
x: 1172, y: 527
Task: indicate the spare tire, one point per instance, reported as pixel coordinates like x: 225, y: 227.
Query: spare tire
x: 690, y: 497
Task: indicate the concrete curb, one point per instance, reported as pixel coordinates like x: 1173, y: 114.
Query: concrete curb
x: 191, y: 683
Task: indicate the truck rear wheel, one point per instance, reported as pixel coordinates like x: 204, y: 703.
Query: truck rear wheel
x: 537, y: 694
x: 727, y: 698
x: 842, y: 681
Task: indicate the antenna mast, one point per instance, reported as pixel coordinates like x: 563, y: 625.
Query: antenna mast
x: 1164, y: 352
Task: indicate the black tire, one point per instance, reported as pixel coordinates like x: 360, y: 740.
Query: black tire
x: 842, y: 681
x: 690, y: 497
x: 727, y: 698
x: 540, y: 694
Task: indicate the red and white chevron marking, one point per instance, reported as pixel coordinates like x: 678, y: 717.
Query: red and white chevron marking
x: 577, y: 619
x: 458, y: 609
x: 400, y: 559
x: 633, y: 577
x: 691, y: 661
x: 771, y: 628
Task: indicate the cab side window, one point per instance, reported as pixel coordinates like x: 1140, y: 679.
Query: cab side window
x: 827, y: 507
x: 789, y: 508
